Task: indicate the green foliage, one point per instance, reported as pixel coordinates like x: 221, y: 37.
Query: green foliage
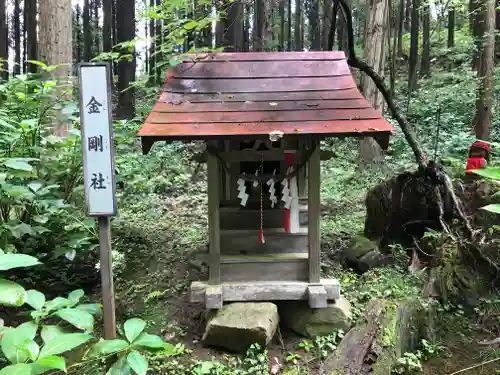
x: 322, y: 346
x: 40, y: 174
x: 411, y: 363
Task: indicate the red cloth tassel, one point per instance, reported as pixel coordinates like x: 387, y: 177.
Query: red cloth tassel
x: 261, y: 236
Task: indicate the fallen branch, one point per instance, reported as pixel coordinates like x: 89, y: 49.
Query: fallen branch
x: 475, y: 366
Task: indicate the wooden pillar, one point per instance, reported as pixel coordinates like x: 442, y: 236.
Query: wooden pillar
x: 213, y: 295
x: 314, y: 212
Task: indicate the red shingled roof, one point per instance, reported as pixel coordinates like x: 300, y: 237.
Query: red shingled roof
x: 255, y: 93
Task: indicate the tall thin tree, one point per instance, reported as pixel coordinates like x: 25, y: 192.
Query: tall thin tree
x: 282, y: 25
x: 298, y: 34
x: 107, y: 25
x: 30, y: 23
x: 326, y: 23
x: 314, y: 25
x: 87, y: 31
x: 415, y: 24
x: 17, y: 36
x: 235, y: 27
x: 484, y: 102
x: 425, y: 66
x: 290, y: 21
x: 4, y: 41
x: 125, y: 16
x: 451, y: 27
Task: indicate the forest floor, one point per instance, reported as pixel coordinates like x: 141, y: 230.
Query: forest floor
x: 155, y: 237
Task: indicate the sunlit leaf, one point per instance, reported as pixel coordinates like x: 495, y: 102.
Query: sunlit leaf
x: 495, y: 208
x: 133, y: 328
x: 11, y: 293
x: 13, y: 338
x: 49, y: 333
x: 63, y: 343
x: 10, y: 261
x: 49, y: 363
x: 57, y: 303
x: 149, y: 341
x: 91, y: 308
x: 137, y: 362
x: 75, y: 296
x: 18, y: 165
x: 120, y: 367
x: 110, y: 346
x: 78, y: 318
x: 35, y: 299
x: 19, y: 369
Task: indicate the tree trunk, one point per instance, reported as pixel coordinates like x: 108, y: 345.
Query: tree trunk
x: 246, y: 28
x: 451, y: 28
x: 107, y: 25
x: 30, y: 23
x: 4, y: 41
x: 425, y: 67
x: 56, y: 48
x: 374, y: 54
x: 497, y: 29
x: 314, y: 26
x: 408, y: 11
x: 125, y: 17
x: 234, y: 31
x: 17, y: 37
x: 290, y: 20
x: 152, y: 56
x: 477, y: 19
x: 282, y: 25
x: 412, y: 78
x: 401, y: 20
x: 327, y: 22
x: 96, y: 28
x: 77, y: 35
x: 333, y: 26
x: 299, y: 40
x: 87, y: 32
x: 261, y: 34
x: 484, y: 102
x: 342, y: 36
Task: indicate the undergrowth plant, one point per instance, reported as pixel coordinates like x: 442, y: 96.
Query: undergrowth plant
x: 63, y: 324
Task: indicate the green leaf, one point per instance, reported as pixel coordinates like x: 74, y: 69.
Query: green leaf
x: 49, y: 333
x: 190, y: 25
x: 492, y: 173
x: 63, y: 343
x: 79, y: 318
x: 495, y: 208
x: 11, y: 293
x: 75, y: 296
x: 91, y: 308
x: 19, y: 369
x: 35, y: 186
x: 174, y: 62
x: 18, y: 165
x: 21, y: 229
x: 13, y: 339
x: 35, y: 299
x: 149, y: 341
x: 110, y: 346
x: 30, y: 348
x: 49, y: 363
x: 120, y: 367
x: 133, y: 328
x: 137, y: 362
x: 57, y: 303
x: 10, y: 261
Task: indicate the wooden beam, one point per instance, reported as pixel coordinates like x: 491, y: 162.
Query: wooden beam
x: 249, y: 155
x: 213, y: 297
x: 314, y: 212
x: 317, y: 296
x: 265, y: 291
x: 213, y: 181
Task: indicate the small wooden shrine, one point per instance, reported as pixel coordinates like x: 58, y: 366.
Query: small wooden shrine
x: 263, y: 116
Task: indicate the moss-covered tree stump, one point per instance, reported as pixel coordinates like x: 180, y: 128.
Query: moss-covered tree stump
x: 388, y: 330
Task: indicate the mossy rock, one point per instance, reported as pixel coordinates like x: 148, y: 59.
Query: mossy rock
x: 237, y: 326
x: 358, y: 247
x: 309, y: 322
x: 389, y: 329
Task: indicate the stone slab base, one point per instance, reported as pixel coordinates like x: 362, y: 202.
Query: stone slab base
x: 214, y: 296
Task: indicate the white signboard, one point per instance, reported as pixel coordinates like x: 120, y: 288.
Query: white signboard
x: 97, y: 142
